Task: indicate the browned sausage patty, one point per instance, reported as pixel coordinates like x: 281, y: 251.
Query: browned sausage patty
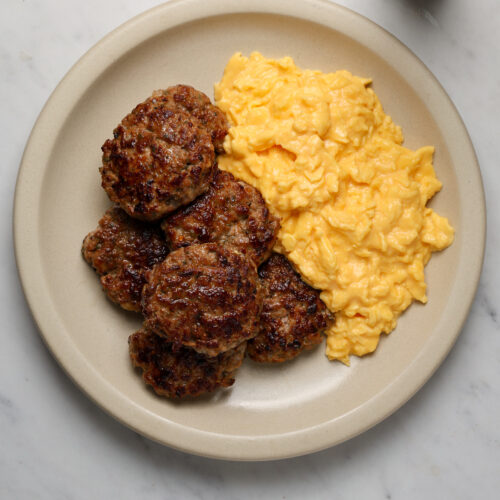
x: 161, y: 157
x: 199, y: 105
x: 206, y: 297
x: 293, y: 316
x: 231, y: 212
x: 185, y: 372
x: 121, y: 249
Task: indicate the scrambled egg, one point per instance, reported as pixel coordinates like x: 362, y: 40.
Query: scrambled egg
x: 351, y: 198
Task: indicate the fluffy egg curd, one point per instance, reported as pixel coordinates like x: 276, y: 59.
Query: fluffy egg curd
x: 351, y: 198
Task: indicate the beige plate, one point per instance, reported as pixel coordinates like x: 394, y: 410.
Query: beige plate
x: 272, y: 411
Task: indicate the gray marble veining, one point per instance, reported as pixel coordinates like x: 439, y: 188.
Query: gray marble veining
x: 444, y: 443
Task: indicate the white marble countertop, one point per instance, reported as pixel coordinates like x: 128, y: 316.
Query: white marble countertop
x: 445, y: 443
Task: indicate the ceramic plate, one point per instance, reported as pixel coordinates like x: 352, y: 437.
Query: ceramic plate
x: 272, y: 411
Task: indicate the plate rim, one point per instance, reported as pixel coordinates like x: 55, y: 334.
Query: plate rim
x: 26, y: 239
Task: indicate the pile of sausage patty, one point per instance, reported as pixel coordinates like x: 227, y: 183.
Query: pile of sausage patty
x: 191, y: 248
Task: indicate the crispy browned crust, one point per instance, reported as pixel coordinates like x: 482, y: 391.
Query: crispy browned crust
x: 206, y: 297
x: 121, y: 249
x: 185, y: 372
x: 161, y: 157
x: 232, y: 213
x: 199, y: 105
x: 293, y: 316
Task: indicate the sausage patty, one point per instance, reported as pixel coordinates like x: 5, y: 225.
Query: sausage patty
x: 185, y: 372
x: 206, y: 297
x: 231, y: 212
x: 293, y: 316
x: 199, y: 105
x: 121, y: 249
x: 161, y: 157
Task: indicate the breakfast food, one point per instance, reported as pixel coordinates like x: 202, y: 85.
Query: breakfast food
x: 231, y: 213
x: 198, y: 104
x: 183, y: 372
x: 206, y: 297
x: 161, y: 157
x: 121, y: 250
x: 352, y: 200
x: 347, y: 215
x: 293, y: 316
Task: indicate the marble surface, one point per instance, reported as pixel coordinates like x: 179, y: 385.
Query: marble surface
x: 444, y: 443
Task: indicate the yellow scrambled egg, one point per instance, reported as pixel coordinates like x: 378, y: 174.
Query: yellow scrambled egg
x: 351, y: 198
